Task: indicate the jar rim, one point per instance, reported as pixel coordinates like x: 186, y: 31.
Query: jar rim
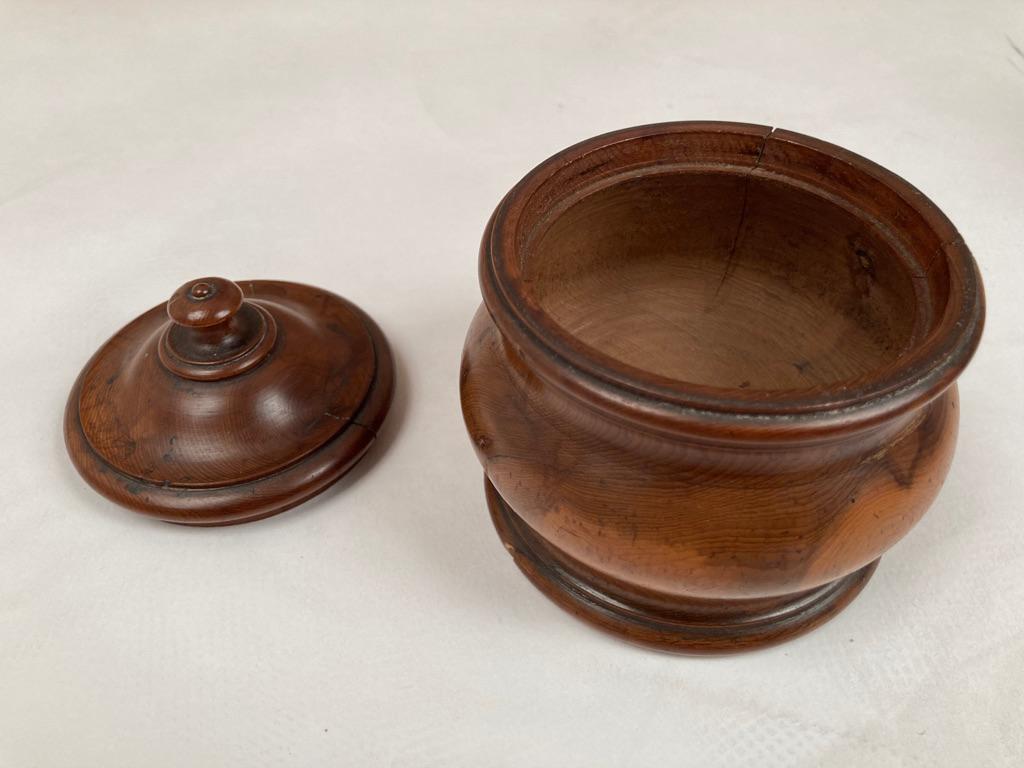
x: 668, y: 404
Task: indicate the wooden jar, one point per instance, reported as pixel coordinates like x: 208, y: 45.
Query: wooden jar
x: 713, y: 377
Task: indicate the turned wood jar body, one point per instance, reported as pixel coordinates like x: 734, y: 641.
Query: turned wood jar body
x: 713, y: 379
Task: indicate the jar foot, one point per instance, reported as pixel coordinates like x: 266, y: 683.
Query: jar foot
x: 696, y: 626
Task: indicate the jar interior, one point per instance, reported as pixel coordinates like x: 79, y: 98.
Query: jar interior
x: 724, y: 278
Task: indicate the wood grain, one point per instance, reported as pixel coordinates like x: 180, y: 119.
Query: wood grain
x: 713, y: 379
x: 250, y: 399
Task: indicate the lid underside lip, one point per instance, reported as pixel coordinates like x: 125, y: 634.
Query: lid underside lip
x: 140, y: 482
x: 228, y: 504
x: 611, y: 384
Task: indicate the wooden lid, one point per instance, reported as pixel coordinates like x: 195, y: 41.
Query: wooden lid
x: 248, y: 400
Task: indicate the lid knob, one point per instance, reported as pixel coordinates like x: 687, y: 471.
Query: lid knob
x: 214, y: 332
x: 205, y: 302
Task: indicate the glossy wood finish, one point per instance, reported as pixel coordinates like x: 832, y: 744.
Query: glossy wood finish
x: 713, y: 378
x: 250, y: 399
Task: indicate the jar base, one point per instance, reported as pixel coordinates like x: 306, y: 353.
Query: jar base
x: 697, y: 626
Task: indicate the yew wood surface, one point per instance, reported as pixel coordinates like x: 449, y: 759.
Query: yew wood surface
x: 230, y: 403
x: 712, y: 381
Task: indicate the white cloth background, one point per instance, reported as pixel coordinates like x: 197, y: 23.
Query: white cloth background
x: 361, y: 147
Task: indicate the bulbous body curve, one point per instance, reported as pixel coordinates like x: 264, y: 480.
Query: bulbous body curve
x: 674, y: 518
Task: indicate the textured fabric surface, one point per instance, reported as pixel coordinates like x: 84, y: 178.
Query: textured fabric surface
x: 361, y: 148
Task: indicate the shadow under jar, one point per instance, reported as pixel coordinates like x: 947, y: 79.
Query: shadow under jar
x: 713, y: 377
